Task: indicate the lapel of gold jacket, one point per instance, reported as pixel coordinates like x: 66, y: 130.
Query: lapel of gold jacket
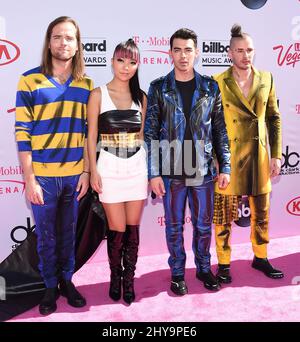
x: 248, y: 103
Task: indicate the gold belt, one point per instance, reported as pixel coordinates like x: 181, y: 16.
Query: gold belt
x: 121, y: 140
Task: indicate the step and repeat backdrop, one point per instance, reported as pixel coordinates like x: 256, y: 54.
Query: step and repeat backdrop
x: 274, y: 26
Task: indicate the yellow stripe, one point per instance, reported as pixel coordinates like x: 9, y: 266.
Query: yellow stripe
x: 33, y: 82
x: 58, y: 140
x: 37, y: 81
x: 65, y: 109
x: 23, y: 114
x: 23, y: 136
x: 57, y: 170
x: 86, y: 83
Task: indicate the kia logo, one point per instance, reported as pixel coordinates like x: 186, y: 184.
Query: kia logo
x: 293, y: 207
x: 9, y: 52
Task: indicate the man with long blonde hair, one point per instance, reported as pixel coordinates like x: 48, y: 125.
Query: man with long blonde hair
x: 51, y: 135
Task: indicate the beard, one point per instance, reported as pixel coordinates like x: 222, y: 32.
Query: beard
x: 61, y: 57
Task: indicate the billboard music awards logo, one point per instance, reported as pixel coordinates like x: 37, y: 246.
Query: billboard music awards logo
x: 293, y: 206
x: 154, y: 50
x: 94, y: 50
x: 290, y: 163
x: 213, y: 53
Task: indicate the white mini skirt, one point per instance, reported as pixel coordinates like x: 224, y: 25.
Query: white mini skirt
x: 123, y: 179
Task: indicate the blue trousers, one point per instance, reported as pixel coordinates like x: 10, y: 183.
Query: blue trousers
x: 200, y: 199
x: 56, y: 228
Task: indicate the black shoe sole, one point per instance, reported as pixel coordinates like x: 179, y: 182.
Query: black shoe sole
x: 129, y: 298
x: 74, y: 304
x: 224, y: 280
x: 179, y: 293
x: 209, y: 287
x: 115, y: 297
x: 274, y: 276
x: 46, y: 312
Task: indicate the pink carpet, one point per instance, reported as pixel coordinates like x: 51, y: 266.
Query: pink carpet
x: 251, y: 297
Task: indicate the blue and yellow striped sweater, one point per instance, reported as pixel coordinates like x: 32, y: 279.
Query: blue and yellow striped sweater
x: 51, y: 122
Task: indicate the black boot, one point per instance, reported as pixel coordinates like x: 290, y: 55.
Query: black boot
x: 68, y: 290
x: 48, y: 303
x: 263, y: 265
x: 210, y: 282
x: 131, y: 245
x: 115, y: 252
x: 223, y: 274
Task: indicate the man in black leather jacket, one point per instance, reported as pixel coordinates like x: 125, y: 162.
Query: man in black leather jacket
x: 184, y: 129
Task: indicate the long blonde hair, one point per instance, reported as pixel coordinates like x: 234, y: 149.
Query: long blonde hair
x: 77, y: 61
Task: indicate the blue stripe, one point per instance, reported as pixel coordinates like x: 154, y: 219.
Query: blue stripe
x: 49, y: 95
x: 24, y: 146
x: 58, y: 155
x: 21, y: 126
x: 36, y: 70
x: 58, y: 125
x: 24, y: 99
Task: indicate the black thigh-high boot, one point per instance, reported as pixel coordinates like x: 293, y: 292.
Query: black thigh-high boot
x: 115, y: 242
x: 131, y: 245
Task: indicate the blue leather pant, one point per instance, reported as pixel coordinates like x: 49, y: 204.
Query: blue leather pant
x: 56, y: 228
x: 200, y: 199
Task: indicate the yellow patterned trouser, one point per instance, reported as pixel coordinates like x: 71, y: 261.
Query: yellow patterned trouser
x: 259, y: 207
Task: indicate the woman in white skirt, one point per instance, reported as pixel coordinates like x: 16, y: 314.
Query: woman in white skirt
x: 116, y: 112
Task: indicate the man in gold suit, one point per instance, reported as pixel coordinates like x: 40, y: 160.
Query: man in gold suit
x: 253, y: 122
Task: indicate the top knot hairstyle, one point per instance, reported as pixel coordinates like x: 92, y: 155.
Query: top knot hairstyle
x: 129, y: 49
x: 237, y: 33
